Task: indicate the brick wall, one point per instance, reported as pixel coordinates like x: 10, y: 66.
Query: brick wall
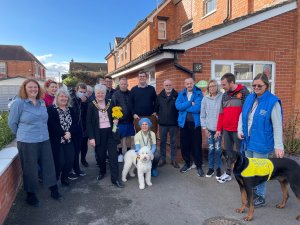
x: 10, y: 182
x: 17, y: 68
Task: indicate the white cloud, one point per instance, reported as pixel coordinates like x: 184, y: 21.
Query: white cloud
x: 53, y: 68
x: 43, y: 58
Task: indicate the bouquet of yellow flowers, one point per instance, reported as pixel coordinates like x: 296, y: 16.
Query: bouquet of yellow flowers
x: 116, y: 114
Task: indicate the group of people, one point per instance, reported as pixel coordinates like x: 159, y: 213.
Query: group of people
x: 53, y: 130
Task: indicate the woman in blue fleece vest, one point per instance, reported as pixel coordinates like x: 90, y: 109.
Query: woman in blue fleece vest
x: 260, y: 127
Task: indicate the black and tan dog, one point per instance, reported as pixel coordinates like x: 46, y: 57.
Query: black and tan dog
x: 249, y: 172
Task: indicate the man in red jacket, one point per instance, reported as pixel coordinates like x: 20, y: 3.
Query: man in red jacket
x: 231, y: 108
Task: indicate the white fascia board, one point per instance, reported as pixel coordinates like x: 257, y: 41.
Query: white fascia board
x: 147, y: 63
x: 202, y: 39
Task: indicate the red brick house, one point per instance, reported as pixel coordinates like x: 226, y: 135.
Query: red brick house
x: 208, y: 38
x: 16, y: 61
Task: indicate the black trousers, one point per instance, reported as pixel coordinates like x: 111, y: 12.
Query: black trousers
x: 77, y: 144
x: 30, y: 154
x: 191, y: 143
x: 63, y: 160
x: 84, y: 148
x: 108, y: 144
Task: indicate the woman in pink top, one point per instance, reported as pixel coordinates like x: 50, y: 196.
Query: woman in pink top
x: 99, y: 125
x: 51, y: 89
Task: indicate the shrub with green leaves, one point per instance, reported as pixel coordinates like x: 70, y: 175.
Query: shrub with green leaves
x: 291, y: 141
x: 6, y: 136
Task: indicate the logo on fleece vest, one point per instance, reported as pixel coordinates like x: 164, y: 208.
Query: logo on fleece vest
x: 258, y: 167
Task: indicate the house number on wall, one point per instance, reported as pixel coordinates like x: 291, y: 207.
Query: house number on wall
x: 197, y: 67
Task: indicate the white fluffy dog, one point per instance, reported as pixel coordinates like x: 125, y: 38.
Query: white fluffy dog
x: 143, y: 165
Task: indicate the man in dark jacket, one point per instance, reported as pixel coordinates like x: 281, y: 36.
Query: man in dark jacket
x: 167, y: 120
x: 125, y: 125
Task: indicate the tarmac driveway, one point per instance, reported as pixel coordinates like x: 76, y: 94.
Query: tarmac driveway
x: 174, y: 199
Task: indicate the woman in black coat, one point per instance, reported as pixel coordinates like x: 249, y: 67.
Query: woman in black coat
x: 61, y: 124
x: 99, y: 128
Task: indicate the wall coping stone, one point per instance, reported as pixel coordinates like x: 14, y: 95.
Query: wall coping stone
x: 7, y: 155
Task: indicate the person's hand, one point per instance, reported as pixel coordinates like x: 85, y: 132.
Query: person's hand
x: 83, y: 98
x: 218, y: 134
x: 193, y: 103
x: 115, y: 121
x: 154, y: 114
x: 135, y: 116
x: 207, y: 134
x: 279, y: 153
x: 92, y: 142
x: 67, y: 135
x: 240, y: 136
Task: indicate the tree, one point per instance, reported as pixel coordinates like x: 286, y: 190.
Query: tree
x: 70, y: 81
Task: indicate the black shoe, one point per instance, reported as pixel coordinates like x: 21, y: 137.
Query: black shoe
x: 85, y: 163
x: 210, y: 172
x: 65, y: 183
x: 32, y: 200
x: 81, y: 173
x: 185, y: 168
x: 56, y: 195
x: 118, y: 184
x: 200, y: 172
x: 101, y: 176
x: 161, y: 163
x: 218, y: 173
x: 259, y: 202
x: 175, y: 164
x: 73, y: 176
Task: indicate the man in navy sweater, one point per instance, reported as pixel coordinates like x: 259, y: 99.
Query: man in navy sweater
x: 142, y: 102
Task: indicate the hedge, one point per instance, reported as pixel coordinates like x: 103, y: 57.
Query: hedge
x: 6, y: 136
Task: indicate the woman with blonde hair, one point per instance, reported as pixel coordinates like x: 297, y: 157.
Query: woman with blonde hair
x: 61, y: 125
x: 210, y: 107
x: 28, y: 120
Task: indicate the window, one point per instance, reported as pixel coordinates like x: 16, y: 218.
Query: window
x: 209, y: 6
x: 2, y: 68
x: 121, y: 55
x: 162, y: 30
x: 244, y: 71
x: 37, y: 70
x: 187, y: 28
x: 118, y: 58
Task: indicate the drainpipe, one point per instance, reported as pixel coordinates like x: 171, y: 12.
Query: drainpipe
x: 182, y: 68
x: 228, y: 11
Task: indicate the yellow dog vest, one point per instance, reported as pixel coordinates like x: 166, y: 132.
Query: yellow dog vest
x: 258, y: 167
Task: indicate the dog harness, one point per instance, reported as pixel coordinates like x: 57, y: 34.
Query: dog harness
x: 258, y: 167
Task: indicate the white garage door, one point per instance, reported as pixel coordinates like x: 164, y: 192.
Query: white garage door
x: 7, y: 92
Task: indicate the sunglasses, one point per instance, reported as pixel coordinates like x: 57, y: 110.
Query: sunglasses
x: 257, y: 85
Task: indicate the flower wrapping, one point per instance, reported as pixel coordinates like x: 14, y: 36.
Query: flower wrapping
x: 116, y: 114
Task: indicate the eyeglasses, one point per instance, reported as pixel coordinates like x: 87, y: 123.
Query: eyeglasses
x: 212, y: 86
x: 257, y: 85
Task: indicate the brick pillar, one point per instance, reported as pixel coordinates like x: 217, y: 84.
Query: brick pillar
x: 297, y: 71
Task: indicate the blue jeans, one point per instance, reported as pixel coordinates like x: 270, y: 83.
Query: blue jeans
x: 214, y: 150
x: 261, y: 188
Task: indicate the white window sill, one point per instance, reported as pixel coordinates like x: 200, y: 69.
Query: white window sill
x: 208, y: 14
x: 7, y: 155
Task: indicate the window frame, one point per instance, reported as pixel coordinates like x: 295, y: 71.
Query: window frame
x: 4, y: 68
x: 164, y: 30
x: 231, y: 63
x: 205, y: 8
x: 182, y: 33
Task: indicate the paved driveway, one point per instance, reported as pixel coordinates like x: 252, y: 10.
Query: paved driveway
x: 174, y: 199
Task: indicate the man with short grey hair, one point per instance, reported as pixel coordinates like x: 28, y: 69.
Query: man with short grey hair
x: 167, y: 120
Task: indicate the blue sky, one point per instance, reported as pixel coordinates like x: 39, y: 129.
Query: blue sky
x: 57, y: 31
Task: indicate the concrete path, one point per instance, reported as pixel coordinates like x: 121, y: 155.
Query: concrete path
x: 174, y: 199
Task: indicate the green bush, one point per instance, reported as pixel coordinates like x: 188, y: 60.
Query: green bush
x: 291, y: 141
x: 6, y: 136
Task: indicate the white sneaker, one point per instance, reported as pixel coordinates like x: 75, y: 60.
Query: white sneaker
x: 193, y: 166
x: 120, y: 158
x: 224, y: 178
